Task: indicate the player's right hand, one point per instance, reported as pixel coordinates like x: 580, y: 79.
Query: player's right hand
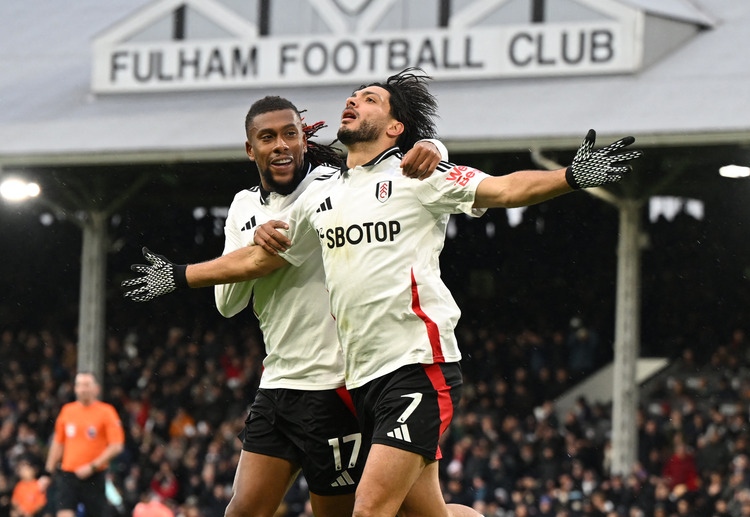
x: 157, y: 279
x: 271, y: 236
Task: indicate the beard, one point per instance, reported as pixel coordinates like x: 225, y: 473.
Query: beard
x: 283, y: 188
x: 367, y: 132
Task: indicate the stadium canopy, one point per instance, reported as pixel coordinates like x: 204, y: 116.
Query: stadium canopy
x: 679, y: 78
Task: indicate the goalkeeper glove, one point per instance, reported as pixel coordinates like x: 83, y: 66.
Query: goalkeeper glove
x: 158, y: 279
x: 593, y: 169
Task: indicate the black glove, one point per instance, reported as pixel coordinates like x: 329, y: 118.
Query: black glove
x: 158, y: 279
x: 593, y: 169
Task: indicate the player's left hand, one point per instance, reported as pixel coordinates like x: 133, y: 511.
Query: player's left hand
x: 421, y: 160
x: 271, y: 236
x: 157, y: 279
x: 596, y: 168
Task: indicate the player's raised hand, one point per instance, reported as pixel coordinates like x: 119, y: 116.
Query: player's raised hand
x: 421, y: 160
x: 157, y: 279
x: 595, y: 168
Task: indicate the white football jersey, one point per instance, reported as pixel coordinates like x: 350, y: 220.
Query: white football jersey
x: 381, y: 235
x: 291, y: 304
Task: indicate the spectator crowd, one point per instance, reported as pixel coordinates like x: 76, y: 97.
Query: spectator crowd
x: 182, y: 384
x: 183, y: 396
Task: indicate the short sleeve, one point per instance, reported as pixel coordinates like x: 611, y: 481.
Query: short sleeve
x: 452, y: 189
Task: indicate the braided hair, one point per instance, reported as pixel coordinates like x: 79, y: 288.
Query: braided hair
x: 412, y: 104
x: 317, y: 154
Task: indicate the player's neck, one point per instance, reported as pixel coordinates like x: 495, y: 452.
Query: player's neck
x: 364, y: 152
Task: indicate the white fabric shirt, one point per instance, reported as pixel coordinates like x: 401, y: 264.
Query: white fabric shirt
x: 291, y: 304
x: 381, y: 235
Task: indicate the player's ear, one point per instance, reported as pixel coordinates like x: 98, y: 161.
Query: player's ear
x: 395, y: 128
x: 249, y: 151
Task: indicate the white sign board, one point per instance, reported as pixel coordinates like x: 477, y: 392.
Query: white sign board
x: 512, y: 51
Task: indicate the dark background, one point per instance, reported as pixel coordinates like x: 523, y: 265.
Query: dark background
x: 560, y: 262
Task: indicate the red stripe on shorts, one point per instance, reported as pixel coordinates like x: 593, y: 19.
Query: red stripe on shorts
x: 433, y: 333
x: 346, y: 398
x: 435, y: 374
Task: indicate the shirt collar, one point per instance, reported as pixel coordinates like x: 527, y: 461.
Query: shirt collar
x: 379, y: 158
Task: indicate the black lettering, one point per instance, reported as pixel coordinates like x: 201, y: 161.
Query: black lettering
x: 467, y: 55
x: 356, y: 240
x: 367, y: 227
x: 339, y: 234
x: 381, y: 233
x: 323, y: 58
x: 394, y: 228
x: 215, y: 64
x: 446, y: 50
x: 540, y: 51
x: 512, y: 50
x: 601, y: 46
x: 160, y: 68
x: 286, y: 58
x: 352, y: 57
x: 426, y: 54
x: 185, y: 62
x: 566, y: 51
x: 138, y: 72
x: 398, y: 54
x: 366, y: 232
x: 372, y: 44
x: 241, y: 66
x: 116, y: 64
x: 329, y: 237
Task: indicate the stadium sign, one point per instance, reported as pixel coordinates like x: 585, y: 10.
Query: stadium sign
x: 465, y: 48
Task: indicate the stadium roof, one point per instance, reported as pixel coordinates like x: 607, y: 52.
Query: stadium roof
x: 694, y: 89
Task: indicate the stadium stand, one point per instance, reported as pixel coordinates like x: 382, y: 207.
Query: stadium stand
x: 183, y: 394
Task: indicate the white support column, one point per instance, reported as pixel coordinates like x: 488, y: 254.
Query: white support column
x: 627, y: 339
x: 91, y: 316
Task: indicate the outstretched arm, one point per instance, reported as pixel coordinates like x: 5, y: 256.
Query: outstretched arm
x: 161, y: 276
x: 521, y: 188
x: 246, y: 263
x: 589, y: 169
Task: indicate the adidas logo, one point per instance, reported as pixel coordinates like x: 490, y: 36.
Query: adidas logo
x: 325, y: 205
x: 400, y: 433
x: 343, y: 480
x: 249, y: 225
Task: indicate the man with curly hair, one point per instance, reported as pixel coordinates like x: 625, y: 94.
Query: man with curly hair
x: 380, y: 236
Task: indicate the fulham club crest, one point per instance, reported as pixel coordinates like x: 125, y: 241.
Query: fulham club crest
x: 383, y: 190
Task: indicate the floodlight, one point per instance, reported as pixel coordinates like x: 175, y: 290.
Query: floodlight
x: 734, y: 171
x: 15, y: 189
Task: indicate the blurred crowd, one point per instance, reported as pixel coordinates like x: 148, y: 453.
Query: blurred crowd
x: 183, y: 396
x: 182, y: 382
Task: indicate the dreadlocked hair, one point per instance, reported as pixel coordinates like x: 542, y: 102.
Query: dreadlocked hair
x: 317, y: 154
x: 412, y: 104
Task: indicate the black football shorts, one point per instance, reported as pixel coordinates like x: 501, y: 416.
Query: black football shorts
x: 90, y: 491
x: 316, y: 430
x: 411, y: 407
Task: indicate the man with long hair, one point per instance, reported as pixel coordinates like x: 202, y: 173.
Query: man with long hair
x: 301, y: 418
x: 380, y: 237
